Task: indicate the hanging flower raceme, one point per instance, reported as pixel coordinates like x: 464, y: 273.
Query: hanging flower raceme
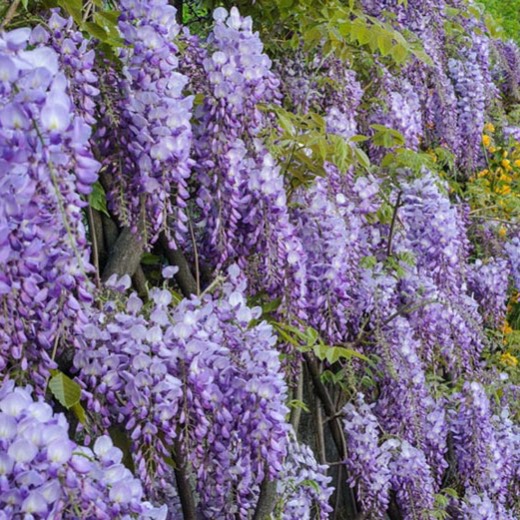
x: 489, y: 283
x: 45, y: 162
x: 76, y: 56
x: 481, y: 461
x: 303, y: 487
x: 481, y: 507
x: 401, y: 110
x: 512, y: 249
x: 330, y: 218
x: 413, y: 483
x: 242, y: 197
x: 200, y: 374
x: 470, y: 87
x: 146, y: 136
x: 405, y: 407
x: 44, y: 474
x: 368, y: 459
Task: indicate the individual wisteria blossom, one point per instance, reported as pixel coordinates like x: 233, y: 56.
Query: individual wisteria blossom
x: 44, y: 474
x: 147, y: 139
x: 481, y: 461
x: 488, y: 282
x: 241, y: 197
x: 201, y: 374
x: 368, y: 458
x: 303, y: 488
x: 45, y: 164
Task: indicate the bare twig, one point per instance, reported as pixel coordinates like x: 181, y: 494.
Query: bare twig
x: 321, y: 436
x: 11, y: 13
x: 296, y: 412
x: 94, y: 236
x: 184, y: 276
x: 392, y: 225
x: 196, y: 256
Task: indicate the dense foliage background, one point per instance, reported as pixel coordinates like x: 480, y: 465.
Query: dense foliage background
x: 259, y: 260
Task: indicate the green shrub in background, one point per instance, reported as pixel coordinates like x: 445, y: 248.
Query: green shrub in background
x: 507, y: 14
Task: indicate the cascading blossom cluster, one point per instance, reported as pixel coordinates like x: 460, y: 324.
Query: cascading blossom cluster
x: 45, y: 164
x: 242, y: 196
x: 304, y: 488
x: 332, y: 229
x: 77, y: 57
x: 512, y: 249
x: 470, y: 87
x: 368, y: 460
x: 481, y: 461
x: 147, y: 154
x: 376, y: 468
x: 44, y: 474
x: 488, y: 282
x: 200, y: 374
x: 481, y: 507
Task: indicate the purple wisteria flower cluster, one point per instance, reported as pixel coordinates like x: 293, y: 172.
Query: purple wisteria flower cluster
x: 200, y: 374
x: 147, y: 153
x: 44, y: 474
x: 372, y: 265
x: 482, y: 461
x: 489, y: 282
x: 242, y: 194
x: 46, y: 164
x: 77, y: 61
x: 304, y: 488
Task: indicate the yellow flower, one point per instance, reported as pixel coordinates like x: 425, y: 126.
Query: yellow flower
x: 506, y: 328
x: 506, y: 163
x: 486, y: 140
x: 502, y: 231
x: 492, y: 149
x: 517, y: 163
x: 489, y: 128
x: 508, y: 359
x: 504, y: 190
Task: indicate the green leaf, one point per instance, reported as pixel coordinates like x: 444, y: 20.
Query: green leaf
x: 97, y: 199
x: 64, y: 389
x: 73, y: 8
x: 150, y: 259
x: 400, y: 53
x: 385, y: 44
x: 296, y: 403
x: 271, y: 306
x: 333, y: 354
x: 95, y: 31
x: 79, y: 412
x: 362, y: 158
